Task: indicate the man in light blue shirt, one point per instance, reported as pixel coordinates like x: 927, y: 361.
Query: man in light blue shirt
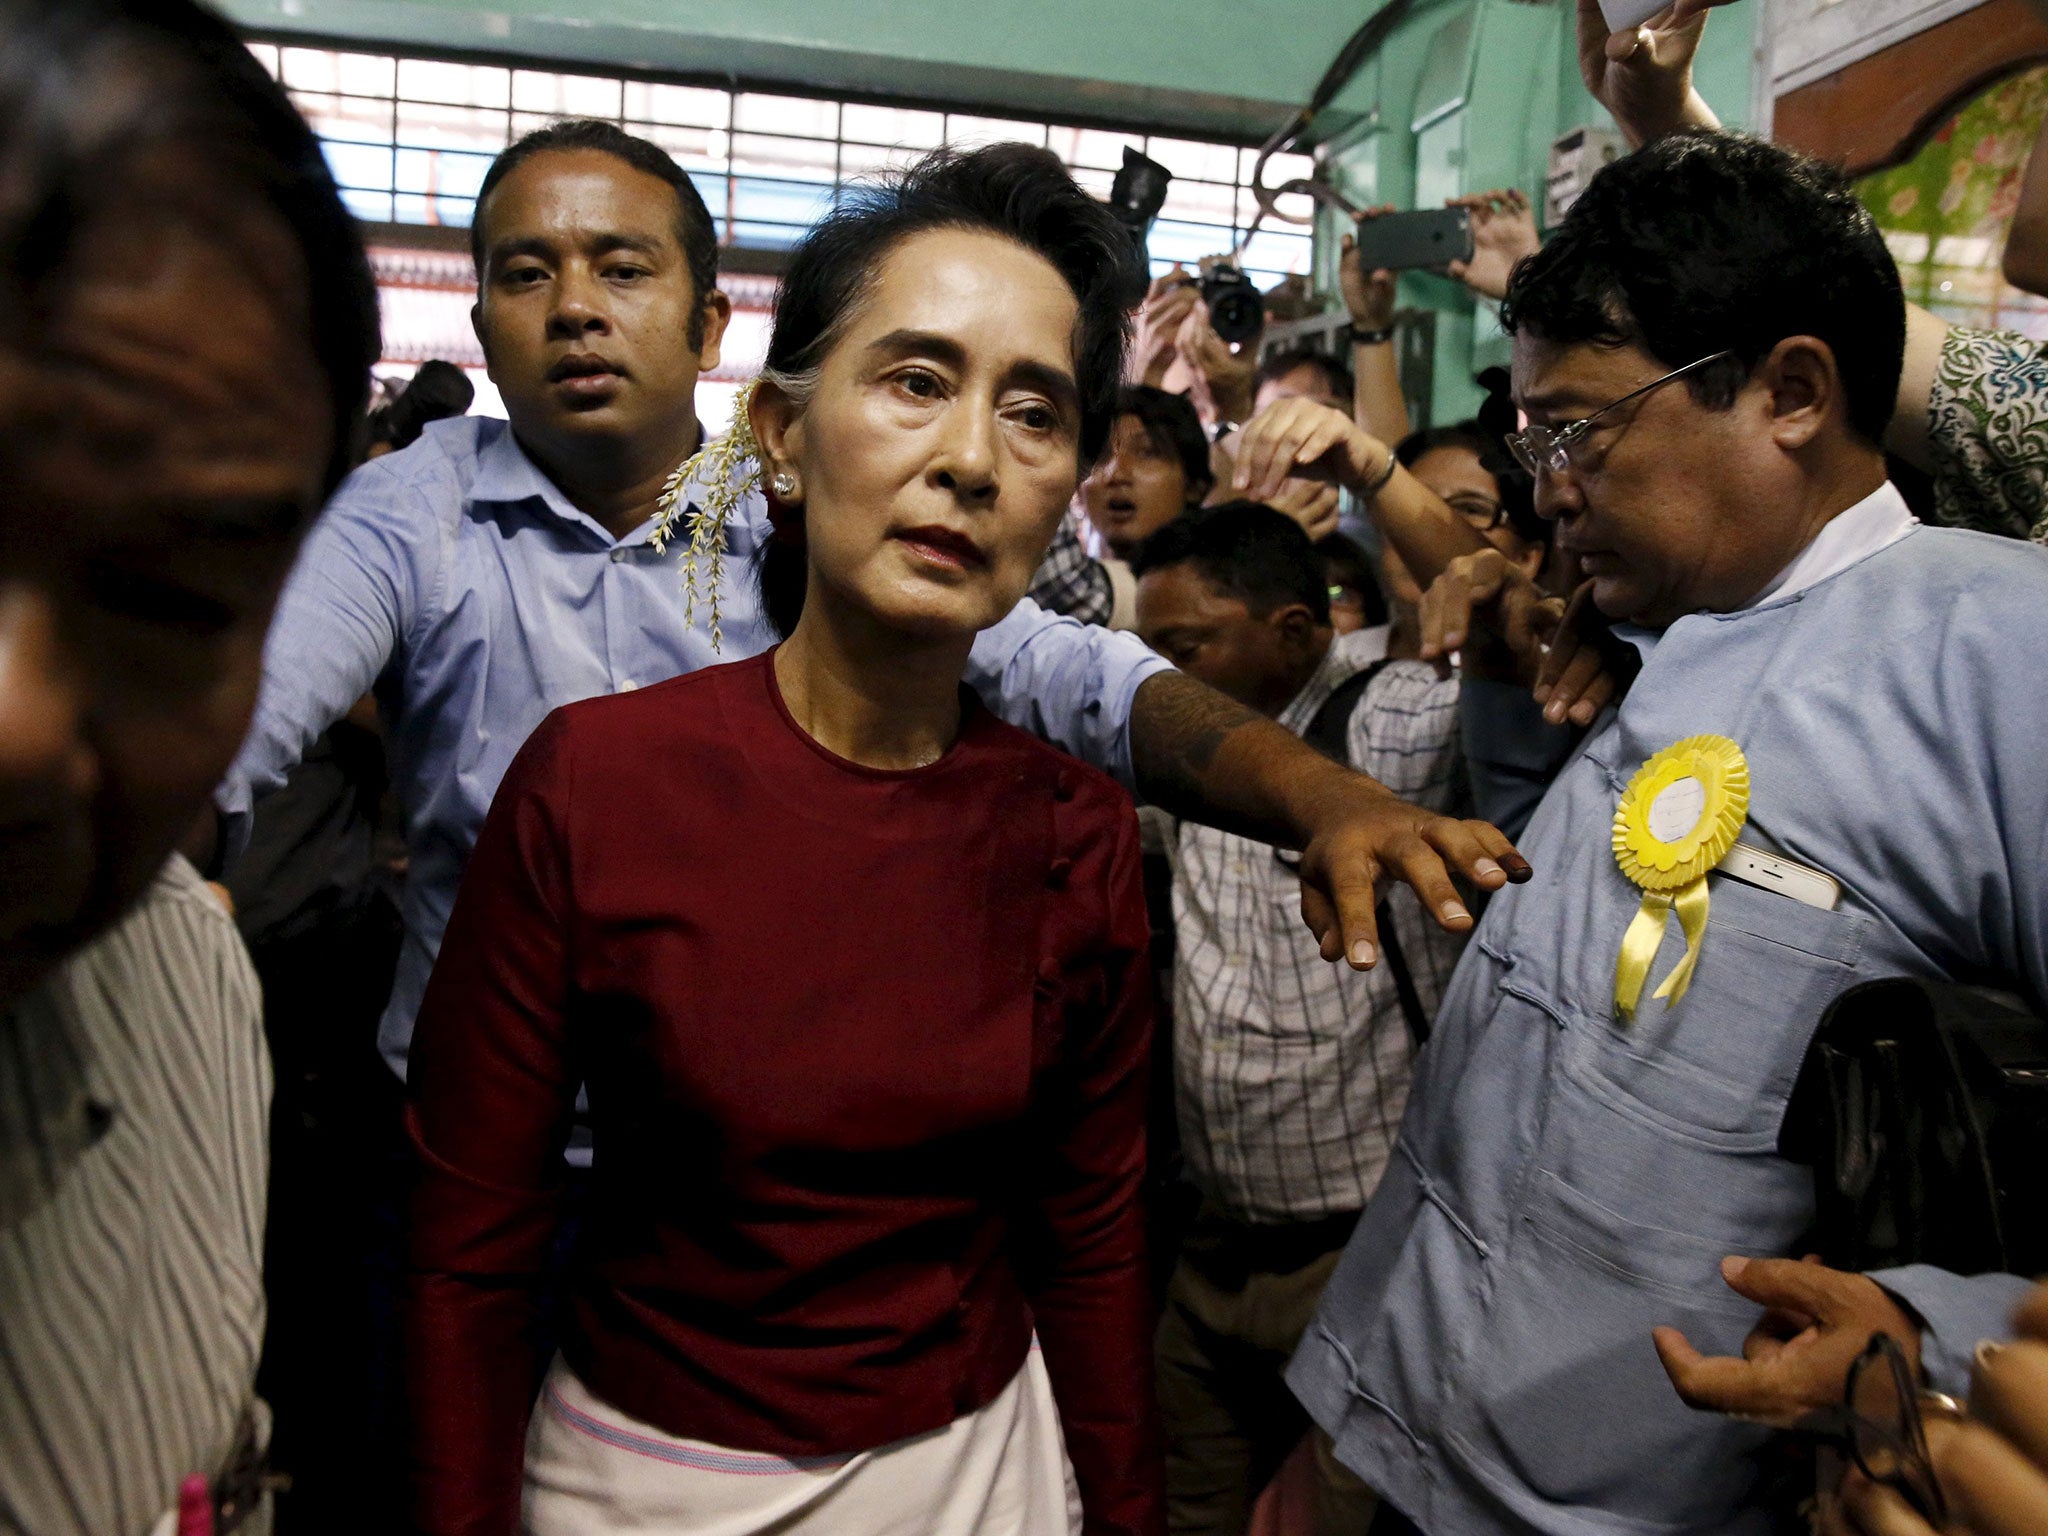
x: 497, y: 570
x: 1708, y: 352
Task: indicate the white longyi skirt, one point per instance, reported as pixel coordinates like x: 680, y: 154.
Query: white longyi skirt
x: 593, y: 1471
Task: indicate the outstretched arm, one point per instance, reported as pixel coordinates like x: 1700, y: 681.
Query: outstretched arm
x: 352, y: 599
x: 1193, y: 752
x: 1205, y: 757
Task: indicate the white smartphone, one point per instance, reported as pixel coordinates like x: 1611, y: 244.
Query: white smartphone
x: 1625, y: 15
x: 1752, y: 866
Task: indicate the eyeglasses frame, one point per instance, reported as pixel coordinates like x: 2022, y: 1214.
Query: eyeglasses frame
x: 1840, y: 1425
x: 1555, y: 443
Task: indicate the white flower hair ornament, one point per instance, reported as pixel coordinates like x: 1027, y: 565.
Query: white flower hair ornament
x: 725, y: 470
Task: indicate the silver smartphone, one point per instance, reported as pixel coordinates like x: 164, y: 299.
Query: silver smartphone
x: 1766, y: 871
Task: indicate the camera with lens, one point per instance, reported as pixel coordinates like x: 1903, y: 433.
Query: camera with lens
x: 1237, y: 310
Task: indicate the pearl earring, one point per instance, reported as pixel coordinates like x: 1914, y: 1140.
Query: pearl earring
x: 784, y: 485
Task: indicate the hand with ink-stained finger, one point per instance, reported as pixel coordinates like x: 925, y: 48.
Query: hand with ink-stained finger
x: 1369, y: 837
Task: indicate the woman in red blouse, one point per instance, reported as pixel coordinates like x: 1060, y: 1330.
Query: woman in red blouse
x: 854, y: 972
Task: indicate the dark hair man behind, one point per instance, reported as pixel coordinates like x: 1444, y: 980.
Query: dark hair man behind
x: 1285, y: 1159
x: 1703, y: 243
x: 187, y: 323
x: 1595, y: 1145
x: 695, y: 234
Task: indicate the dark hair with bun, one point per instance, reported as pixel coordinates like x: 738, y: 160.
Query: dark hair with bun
x: 1015, y: 190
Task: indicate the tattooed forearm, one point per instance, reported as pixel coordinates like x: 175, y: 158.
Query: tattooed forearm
x: 1201, y: 755
x: 1177, y: 727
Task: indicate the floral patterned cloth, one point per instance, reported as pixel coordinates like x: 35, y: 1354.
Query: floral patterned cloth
x: 1988, y: 433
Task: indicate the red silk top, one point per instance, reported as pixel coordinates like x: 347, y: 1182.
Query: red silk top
x: 866, y: 1060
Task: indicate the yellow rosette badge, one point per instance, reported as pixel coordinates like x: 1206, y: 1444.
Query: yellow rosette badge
x: 1677, y: 819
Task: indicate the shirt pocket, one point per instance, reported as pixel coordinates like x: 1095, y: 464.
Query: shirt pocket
x: 1718, y: 1065
x: 1567, y: 1396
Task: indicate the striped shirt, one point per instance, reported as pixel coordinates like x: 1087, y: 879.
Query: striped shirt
x: 134, y: 1095
x: 1292, y: 1073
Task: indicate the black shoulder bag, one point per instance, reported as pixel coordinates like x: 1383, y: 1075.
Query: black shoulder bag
x: 1922, y: 1108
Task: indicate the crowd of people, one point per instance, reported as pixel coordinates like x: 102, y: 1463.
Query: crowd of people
x: 1066, y: 927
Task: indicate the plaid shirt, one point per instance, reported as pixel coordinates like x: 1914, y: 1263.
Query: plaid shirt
x: 1292, y: 1072
x: 1070, y: 582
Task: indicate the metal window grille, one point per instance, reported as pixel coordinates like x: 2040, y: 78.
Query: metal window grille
x: 409, y: 140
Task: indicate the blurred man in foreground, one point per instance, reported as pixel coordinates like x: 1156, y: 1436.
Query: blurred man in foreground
x: 189, y: 325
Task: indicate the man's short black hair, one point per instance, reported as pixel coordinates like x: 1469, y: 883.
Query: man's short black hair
x: 1170, y: 421
x: 1336, y: 377
x: 1704, y: 241
x: 71, y: 135
x: 695, y: 231
x: 1245, y: 550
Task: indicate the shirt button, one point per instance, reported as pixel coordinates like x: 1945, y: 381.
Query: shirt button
x: 627, y: 685
x: 621, y: 552
x: 1233, y: 959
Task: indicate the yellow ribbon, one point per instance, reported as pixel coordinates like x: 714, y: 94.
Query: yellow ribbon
x: 1639, y: 947
x: 1672, y: 869
x: 1645, y: 937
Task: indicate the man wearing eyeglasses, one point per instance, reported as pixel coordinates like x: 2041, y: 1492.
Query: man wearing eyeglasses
x: 1707, y: 352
